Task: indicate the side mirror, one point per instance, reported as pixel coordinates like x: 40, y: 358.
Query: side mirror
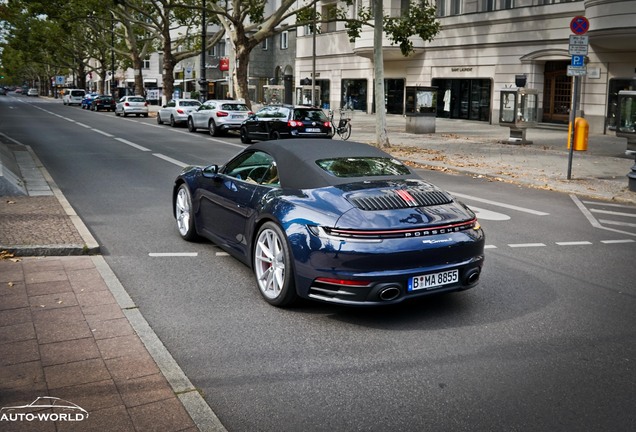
x: 210, y: 170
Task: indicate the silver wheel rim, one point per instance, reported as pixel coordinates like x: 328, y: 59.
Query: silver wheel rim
x: 183, y: 211
x: 269, y: 264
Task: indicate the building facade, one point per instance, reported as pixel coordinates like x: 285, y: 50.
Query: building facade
x: 482, y: 46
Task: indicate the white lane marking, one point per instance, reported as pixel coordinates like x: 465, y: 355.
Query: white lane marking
x: 523, y: 245
x: 590, y: 217
x: 490, y: 247
x: 611, y: 222
x: 84, y: 125
x: 132, y: 144
x: 222, y: 254
x: 499, y: 204
x: 103, y: 133
x: 574, y: 243
x: 608, y: 204
x: 613, y: 213
x: 484, y: 214
x: 173, y: 254
x: 169, y: 159
x: 618, y: 241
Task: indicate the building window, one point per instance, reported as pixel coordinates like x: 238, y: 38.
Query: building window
x: 441, y: 8
x: 284, y: 40
x: 329, y: 12
x: 146, y: 64
x: 507, y: 4
x: 264, y: 44
x: 455, y: 7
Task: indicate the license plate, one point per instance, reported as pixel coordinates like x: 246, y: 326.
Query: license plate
x: 433, y: 280
x: 238, y: 116
x: 313, y: 130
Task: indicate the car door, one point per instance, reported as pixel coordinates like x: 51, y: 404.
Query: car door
x: 226, y: 200
x: 202, y: 114
x: 165, y: 111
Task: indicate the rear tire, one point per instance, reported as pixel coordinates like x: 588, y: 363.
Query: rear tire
x: 274, y: 135
x: 345, y: 132
x: 172, y: 122
x: 273, y: 266
x: 245, y: 139
x: 212, y: 128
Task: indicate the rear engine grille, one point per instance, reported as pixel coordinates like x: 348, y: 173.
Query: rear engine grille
x: 399, y: 199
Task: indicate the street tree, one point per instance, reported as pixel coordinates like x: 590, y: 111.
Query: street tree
x: 173, y: 27
x: 247, y: 25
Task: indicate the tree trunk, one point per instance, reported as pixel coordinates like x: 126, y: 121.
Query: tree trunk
x: 381, y: 137
x: 241, y: 88
x: 139, y: 77
x: 169, y: 63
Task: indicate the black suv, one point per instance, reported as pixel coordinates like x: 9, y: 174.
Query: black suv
x: 274, y: 122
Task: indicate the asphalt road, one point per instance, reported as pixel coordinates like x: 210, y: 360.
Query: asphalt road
x: 546, y: 342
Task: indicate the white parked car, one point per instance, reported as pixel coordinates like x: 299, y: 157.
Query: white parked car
x: 177, y: 111
x: 218, y: 116
x: 73, y: 97
x: 129, y: 105
x: 33, y: 92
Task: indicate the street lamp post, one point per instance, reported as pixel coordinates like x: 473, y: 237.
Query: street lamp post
x: 203, y: 83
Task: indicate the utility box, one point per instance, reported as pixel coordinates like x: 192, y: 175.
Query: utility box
x: 273, y: 94
x: 581, y: 133
x: 626, y: 119
x: 518, y: 110
x: 303, y: 95
x: 420, y: 109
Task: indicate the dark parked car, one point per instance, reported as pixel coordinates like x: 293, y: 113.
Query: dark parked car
x: 340, y: 222
x: 103, y: 102
x: 283, y: 121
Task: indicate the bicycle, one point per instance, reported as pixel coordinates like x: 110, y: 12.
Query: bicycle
x: 344, y: 125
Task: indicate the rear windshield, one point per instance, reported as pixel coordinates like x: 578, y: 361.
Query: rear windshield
x: 136, y: 99
x: 309, y: 115
x: 234, y: 107
x: 189, y: 103
x: 77, y: 93
x: 363, y: 167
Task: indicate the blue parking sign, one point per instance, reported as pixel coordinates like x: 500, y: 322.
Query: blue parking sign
x: 578, y: 61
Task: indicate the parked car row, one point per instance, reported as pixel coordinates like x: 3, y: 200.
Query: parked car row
x: 269, y: 123
x: 272, y: 122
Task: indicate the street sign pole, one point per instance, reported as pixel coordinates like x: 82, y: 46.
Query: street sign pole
x: 579, y: 25
x: 574, y: 108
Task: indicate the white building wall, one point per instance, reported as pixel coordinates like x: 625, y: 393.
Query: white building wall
x: 492, y: 45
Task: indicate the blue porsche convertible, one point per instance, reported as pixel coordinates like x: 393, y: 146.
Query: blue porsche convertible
x: 335, y: 221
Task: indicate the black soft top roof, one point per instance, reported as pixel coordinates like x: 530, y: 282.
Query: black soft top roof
x: 296, y: 160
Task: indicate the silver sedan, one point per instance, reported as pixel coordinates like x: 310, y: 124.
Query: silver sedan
x: 129, y: 105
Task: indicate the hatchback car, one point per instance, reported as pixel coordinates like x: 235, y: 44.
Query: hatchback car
x: 129, y: 105
x: 177, y: 111
x: 218, y: 116
x: 283, y: 121
x: 33, y: 92
x: 103, y: 102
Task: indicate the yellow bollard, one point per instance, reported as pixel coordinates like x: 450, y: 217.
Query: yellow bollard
x: 581, y: 132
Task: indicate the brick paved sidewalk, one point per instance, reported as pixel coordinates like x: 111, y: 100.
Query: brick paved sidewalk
x: 63, y: 334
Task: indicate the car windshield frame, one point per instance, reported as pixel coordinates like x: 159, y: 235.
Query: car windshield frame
x: 345, y: 167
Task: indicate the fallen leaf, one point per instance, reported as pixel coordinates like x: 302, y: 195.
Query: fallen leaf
x: 11, y: 284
